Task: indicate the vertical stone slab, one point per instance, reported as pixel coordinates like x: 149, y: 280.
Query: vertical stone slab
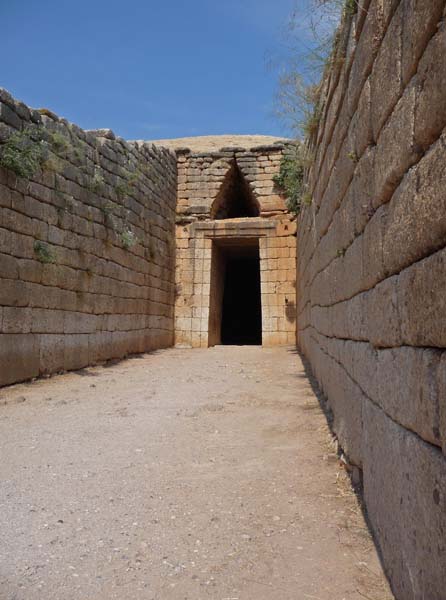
x: 405, y: 492
x: 19, y: 357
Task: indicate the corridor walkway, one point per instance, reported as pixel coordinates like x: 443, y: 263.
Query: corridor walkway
x: 183, y: 475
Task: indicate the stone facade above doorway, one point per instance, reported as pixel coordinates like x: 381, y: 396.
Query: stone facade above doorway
x: 227, y: 195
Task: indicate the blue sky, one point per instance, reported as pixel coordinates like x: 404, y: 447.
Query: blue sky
x: 148, y: 69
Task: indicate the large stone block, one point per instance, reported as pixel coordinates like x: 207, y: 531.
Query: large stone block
x: 386, y: 77
x: 5, y: 241
x: 382, y: 316
x: 416, y: 225
x: 357, y: 322
x: 366, y: 51
x: 362, y: 366
x: 408, y: 391
x: 430, y: 115
x: 5, y: 196
x: 420, y: 23
x: 360, y: 130
x: 346, y: 400
x: 348, y: 277
x: 16, y: 221
x: 8, y: 267
x: 422, y: 302
x: 8, y: 116
x: 14, y: 292
x: 76, y: 351
x: 51, y: 353
x: 340, y: 179
x: 372, y: 249
x: 405, y: 493
x: 16, y: 320
x: 47, y: 321
x: 19, y: 357
x: 396, y: 149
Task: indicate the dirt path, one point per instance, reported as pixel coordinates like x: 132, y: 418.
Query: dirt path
x: 185, y: 474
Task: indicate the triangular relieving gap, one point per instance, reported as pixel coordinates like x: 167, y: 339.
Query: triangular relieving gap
x: 235, y: 198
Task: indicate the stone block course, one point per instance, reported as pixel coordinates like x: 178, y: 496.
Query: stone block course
x: 411, y: 478
x: 85, y: 270
x: 371, y: 264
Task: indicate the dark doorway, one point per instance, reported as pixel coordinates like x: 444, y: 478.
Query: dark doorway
x: 235, y: 198
x: 241, y: 322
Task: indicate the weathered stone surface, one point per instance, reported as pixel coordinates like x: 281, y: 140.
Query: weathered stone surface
x: 9, y: 116
x: 441, y: 383
x: 371, y: 264
x: 405, y: 492
x: 386, y: 78
x: 360, y: 129
x: 372, y: 249
x: 415, y: 224
x: 430, y: 116
x: 51, y: 357
x: 420, y: 17
x: 422, y: 302
x: 407, y: 389
x: 19, y: 357
x: 382, y: 315
x: 397, y: 149
x: 346, y: 400
x: 73, y: 248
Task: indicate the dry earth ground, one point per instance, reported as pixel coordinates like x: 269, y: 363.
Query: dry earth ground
x: 184, y: 474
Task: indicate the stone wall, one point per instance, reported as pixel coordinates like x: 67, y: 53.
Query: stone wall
x: 86, y: 247
x: 204, y: 189
x: 371, y: 287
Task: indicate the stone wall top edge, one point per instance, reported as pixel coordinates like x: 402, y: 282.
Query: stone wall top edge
x: 205, y: 146
x: 229, y: 151
x: 41, y: 116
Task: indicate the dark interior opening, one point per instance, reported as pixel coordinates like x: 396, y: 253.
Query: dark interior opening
x: 235, y: 198
x: 241, y: 322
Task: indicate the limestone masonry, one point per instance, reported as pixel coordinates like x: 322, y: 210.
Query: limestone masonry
x: 87, y: 251
x: 209, y: 228
x: 90, y: 243
x: 371, y: 287
x: 109, y: 248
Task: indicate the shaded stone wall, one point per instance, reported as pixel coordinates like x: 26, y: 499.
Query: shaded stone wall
x: 86, y: 248
x: 204, y: 184
x: 372, y: 264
